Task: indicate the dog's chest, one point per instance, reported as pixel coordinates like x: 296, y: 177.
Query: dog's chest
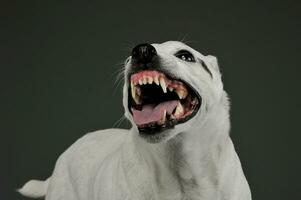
x: 127, y: 176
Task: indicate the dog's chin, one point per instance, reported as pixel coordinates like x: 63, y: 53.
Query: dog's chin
x: 157, y: 137
x: 164, y: 135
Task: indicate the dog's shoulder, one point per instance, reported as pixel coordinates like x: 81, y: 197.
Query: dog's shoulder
x: 100, y: 137
x: 81, y: 162
x: 92, y: 149
x: 99, y: 142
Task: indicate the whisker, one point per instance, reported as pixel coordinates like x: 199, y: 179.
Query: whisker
x: 183, y: 38
x: 118, y: 122
x: 127, y: 47
x: 119, y: 78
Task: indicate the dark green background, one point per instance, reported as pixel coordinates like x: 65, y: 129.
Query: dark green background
x: 59, y: 62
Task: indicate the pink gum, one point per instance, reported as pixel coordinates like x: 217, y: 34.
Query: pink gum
x: 147, y: 73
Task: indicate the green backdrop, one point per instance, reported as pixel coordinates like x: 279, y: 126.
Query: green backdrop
x: 59, y: 63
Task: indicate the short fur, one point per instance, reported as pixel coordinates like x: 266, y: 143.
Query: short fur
x: 194, y: 160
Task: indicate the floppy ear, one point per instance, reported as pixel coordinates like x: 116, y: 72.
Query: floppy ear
x: 212, y: 60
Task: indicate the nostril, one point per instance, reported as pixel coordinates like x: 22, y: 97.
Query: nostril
x: 135, y: 52
x: 143, y: 53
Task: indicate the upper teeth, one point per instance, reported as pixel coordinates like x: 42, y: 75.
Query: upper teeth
x: 150, y: 80
x: 163, y: 84
x: 144, y: 80
x: 135, y: 93
x: 159, y: 79
x: 133, y: 90
x: 182, y: 93
x: 156, y: 80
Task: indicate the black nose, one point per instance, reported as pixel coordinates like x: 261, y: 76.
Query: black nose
x: 143, y: 53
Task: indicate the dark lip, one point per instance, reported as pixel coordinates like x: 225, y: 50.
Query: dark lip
x: 155, y: 130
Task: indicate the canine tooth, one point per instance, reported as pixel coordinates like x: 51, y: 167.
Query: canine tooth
x: 185, y: 93
x: 150, y: 80
x: 179, y: 110
x: 170, y: 89
x: 135, y: 93
x: 164, y: 116
x: 144, y: 80
x: 182, y: 93
x: 137, y: 100
x: 162, y: 121
x: 138, y: 91
x: 163, y: 84
x: 156, y: 80
x: 133, y: 90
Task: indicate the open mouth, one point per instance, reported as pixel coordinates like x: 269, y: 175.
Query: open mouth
x: 158, y: 102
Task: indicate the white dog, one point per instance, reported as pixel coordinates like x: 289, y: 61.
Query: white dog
x: 178, y: 147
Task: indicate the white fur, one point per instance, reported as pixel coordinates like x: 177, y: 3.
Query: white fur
x: 35, y: 188
x: 195, y: 160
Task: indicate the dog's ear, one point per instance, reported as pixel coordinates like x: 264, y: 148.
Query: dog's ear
x: 212, y: 60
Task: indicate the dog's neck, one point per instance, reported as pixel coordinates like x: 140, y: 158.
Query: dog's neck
x: 191, y: 153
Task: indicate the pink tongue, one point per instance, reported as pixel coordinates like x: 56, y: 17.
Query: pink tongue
x: 153, y: 113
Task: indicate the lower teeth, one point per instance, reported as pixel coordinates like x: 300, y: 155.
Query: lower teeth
x: 179, y: 110
x: 162, y: 121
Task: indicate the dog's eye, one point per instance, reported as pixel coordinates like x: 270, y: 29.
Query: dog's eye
x: 185, y: 55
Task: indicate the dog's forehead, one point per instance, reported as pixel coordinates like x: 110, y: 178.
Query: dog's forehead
x: 174, y: 46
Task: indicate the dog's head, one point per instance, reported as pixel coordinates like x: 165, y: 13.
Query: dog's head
x: 169, y: 88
